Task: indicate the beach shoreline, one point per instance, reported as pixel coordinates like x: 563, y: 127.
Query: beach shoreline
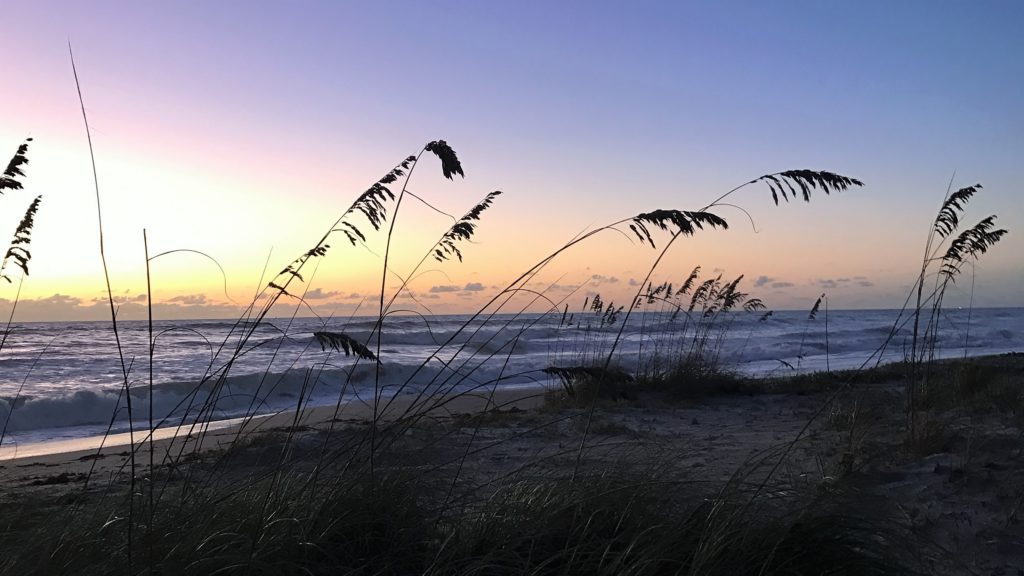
x: 76, y: 455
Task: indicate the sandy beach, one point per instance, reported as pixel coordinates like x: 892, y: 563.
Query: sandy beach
x: 73, y: 458
x: 957, y: 487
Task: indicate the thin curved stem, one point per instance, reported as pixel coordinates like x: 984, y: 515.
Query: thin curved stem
x: 110, y: 299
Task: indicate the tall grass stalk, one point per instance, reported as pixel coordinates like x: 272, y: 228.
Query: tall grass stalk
x: 110, y: 301
x: 828, y: 367
x: 970, y: 311
x: 150, y: 348
x: 10, y: 317
x: 380, y: 309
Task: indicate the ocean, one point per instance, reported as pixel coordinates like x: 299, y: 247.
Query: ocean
x: 65, y: 380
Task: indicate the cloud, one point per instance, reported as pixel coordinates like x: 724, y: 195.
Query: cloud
x: 118, y: 299
x: 774, y: 283
x: 190, y: 299
x: 354, y: 296
x: 60, y: 307
x: 319, y: 294
x: 599, y: 279
x: 60, y: 300
x: 832, y: 283
x: 633, y: 282
x: 563, y: 287
x: 469, y: 287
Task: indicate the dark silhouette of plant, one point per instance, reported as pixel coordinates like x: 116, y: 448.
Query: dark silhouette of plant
x: 814, y: 309
x: 948, y: 218
x: 688, y: 283
x: 967, y: 246
x: 572, y: 377
x: 462, y: 230
x: 113, y: 310
x: 806, y: 180
x: 18, y: 251
x: 339, y: 341
x: 450, y: 165
x: 707, y: 309
x: 9, y: 179
x: 674, y: 221
x: 811, y: 317
x: 371, y: 203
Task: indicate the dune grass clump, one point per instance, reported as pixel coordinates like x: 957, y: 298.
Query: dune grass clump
x: 583, y: 384
x: 688, y: 348
x: 696, y: 380
x: 974, y: 385
x: 946, y: 253
x: 248, y: 527
x: 616, y: 522
x: 682, y: 328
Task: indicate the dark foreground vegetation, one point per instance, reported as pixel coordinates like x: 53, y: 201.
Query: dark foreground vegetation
x: 806, y: 475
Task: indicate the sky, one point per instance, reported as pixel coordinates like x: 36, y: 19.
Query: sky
x: 244, y: 129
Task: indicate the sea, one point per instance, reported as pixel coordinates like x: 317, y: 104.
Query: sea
x: 66, y: 380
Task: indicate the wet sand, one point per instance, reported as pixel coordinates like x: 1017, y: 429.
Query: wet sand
x: 20, y: 463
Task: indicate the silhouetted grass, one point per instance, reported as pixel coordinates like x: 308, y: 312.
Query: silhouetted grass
x: 616, y: 523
